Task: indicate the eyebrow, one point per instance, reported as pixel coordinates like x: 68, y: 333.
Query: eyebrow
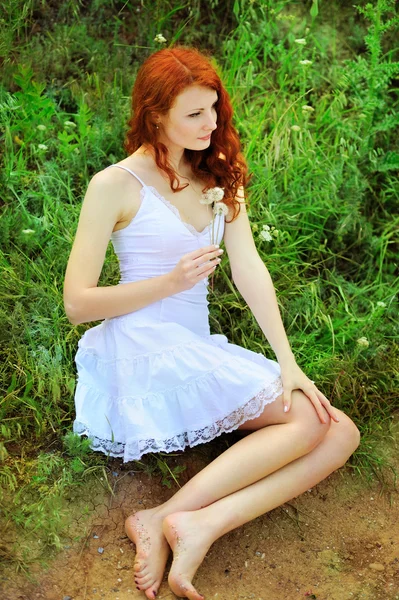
x: 201, y: 108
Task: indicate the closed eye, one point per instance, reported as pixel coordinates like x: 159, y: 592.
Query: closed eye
x: 198, y: 113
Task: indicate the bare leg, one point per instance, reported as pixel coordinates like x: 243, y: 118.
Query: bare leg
x: 190, y: 534
x: 266, y: 450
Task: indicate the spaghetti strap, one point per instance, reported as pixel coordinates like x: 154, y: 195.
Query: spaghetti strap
x: 126, y: 169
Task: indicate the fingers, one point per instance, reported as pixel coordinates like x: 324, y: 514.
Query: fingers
x: 201, y: 251
x: 286, y: 401
x: 207, y: 257
x: 327, y: 405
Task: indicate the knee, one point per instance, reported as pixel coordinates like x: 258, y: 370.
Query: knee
x: 313, y: 431
x: 310, y: 430
x: 347, y: 437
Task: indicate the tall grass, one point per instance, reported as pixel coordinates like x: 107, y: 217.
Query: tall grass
x: 316, y: 105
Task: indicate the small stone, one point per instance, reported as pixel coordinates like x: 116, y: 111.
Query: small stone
x: 67, y: 598
x: 95, y: 536
x: 100, y: 550
x: 377, y: 567
x: 114, y: 473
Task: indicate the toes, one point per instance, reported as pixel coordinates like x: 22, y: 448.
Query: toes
x: 146, y: 586
x: 144, y: 579
x: 151, y: 593
x: 141, y: 570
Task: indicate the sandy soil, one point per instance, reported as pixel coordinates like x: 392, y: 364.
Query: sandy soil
x: 339, y: 541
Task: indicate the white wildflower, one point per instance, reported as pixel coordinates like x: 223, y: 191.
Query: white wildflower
x: 28, y: 231
x: 76, y: 150
x: 382, y: 304
x: 69, y: 124
x: 300, y: 41
x: 295, y: 128
x: 265, y: 235
x: 159, y: 39
x: 221, y: 208
x: 42, y: 147
x: 307, y: 108
x: 267, y: 232
x: 41, y: 127
x: 306, y: 62
x: 363, y: 342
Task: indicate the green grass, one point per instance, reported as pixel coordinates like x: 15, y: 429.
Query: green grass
x: 326, y: 179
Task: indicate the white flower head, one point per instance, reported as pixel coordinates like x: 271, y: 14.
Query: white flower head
x: 307, y: 108
x: 214, y: 194
x: 295, y: 128
x: 363, y: 342
x: 28, y: 231
x: 42, y: 147
x: 382, y: 304
x: 267, y: 232
x: 69, y: 124
x: 159, y: 38
x: 41, y: 127
x: 221, y: 208
x: 306, y: 62
x: 300, y: 41
x: 265, y: 235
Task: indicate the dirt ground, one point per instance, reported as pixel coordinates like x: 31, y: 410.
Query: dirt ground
x: 338, y: 541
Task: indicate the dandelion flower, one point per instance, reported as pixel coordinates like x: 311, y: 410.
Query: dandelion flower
x: 300, y: 41
x: 28, y: 231
x: 42, y: 147
x: 41, y: 127
x: 221, y: 208
x: 214, y: 194
x: 69, y: 124
x: 159, y: 39
x: 306, y: 62
x: 295, y: 128
x: 363, y: 342
x: 307, y: 108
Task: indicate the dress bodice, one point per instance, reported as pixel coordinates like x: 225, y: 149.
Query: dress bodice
x: 152, y: 245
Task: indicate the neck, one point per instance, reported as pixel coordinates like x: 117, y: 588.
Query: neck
x: 176, y: 158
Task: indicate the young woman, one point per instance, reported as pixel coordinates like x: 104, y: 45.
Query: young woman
x: 151, y: 376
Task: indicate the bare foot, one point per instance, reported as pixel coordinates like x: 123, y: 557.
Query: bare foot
x: 144, y: 528
x: 190, y: 540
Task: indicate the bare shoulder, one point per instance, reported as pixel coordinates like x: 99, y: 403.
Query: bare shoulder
x: 119, y: 187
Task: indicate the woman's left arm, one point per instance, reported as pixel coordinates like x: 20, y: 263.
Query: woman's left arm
x: 252, y: 279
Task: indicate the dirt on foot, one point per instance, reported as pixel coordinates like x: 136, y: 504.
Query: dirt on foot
x: 338, y: 541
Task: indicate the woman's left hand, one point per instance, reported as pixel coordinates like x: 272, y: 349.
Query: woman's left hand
x: 293, y: 378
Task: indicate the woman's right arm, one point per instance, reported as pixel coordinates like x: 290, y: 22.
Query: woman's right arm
x: 83, y: 301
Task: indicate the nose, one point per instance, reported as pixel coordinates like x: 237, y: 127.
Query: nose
x: 211, y: 123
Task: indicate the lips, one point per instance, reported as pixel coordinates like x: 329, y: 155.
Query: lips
x: 206, y: 137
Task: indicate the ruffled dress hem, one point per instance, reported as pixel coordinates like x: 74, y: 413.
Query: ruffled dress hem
x: 135, y: 449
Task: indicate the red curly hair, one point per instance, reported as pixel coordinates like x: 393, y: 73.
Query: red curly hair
x: 160, y: 79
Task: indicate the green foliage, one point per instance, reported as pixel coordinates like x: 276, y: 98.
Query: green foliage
x: 314, y: 87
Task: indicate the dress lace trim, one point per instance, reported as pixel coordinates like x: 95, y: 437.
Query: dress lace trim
x: 176, y: 212
x: 134, y: 450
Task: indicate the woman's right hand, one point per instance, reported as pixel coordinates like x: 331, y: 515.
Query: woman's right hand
x: 195, y: 266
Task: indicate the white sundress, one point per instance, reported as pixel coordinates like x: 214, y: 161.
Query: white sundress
x: 156, y: 379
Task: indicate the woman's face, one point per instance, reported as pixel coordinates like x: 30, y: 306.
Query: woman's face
x: 192, y: 117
